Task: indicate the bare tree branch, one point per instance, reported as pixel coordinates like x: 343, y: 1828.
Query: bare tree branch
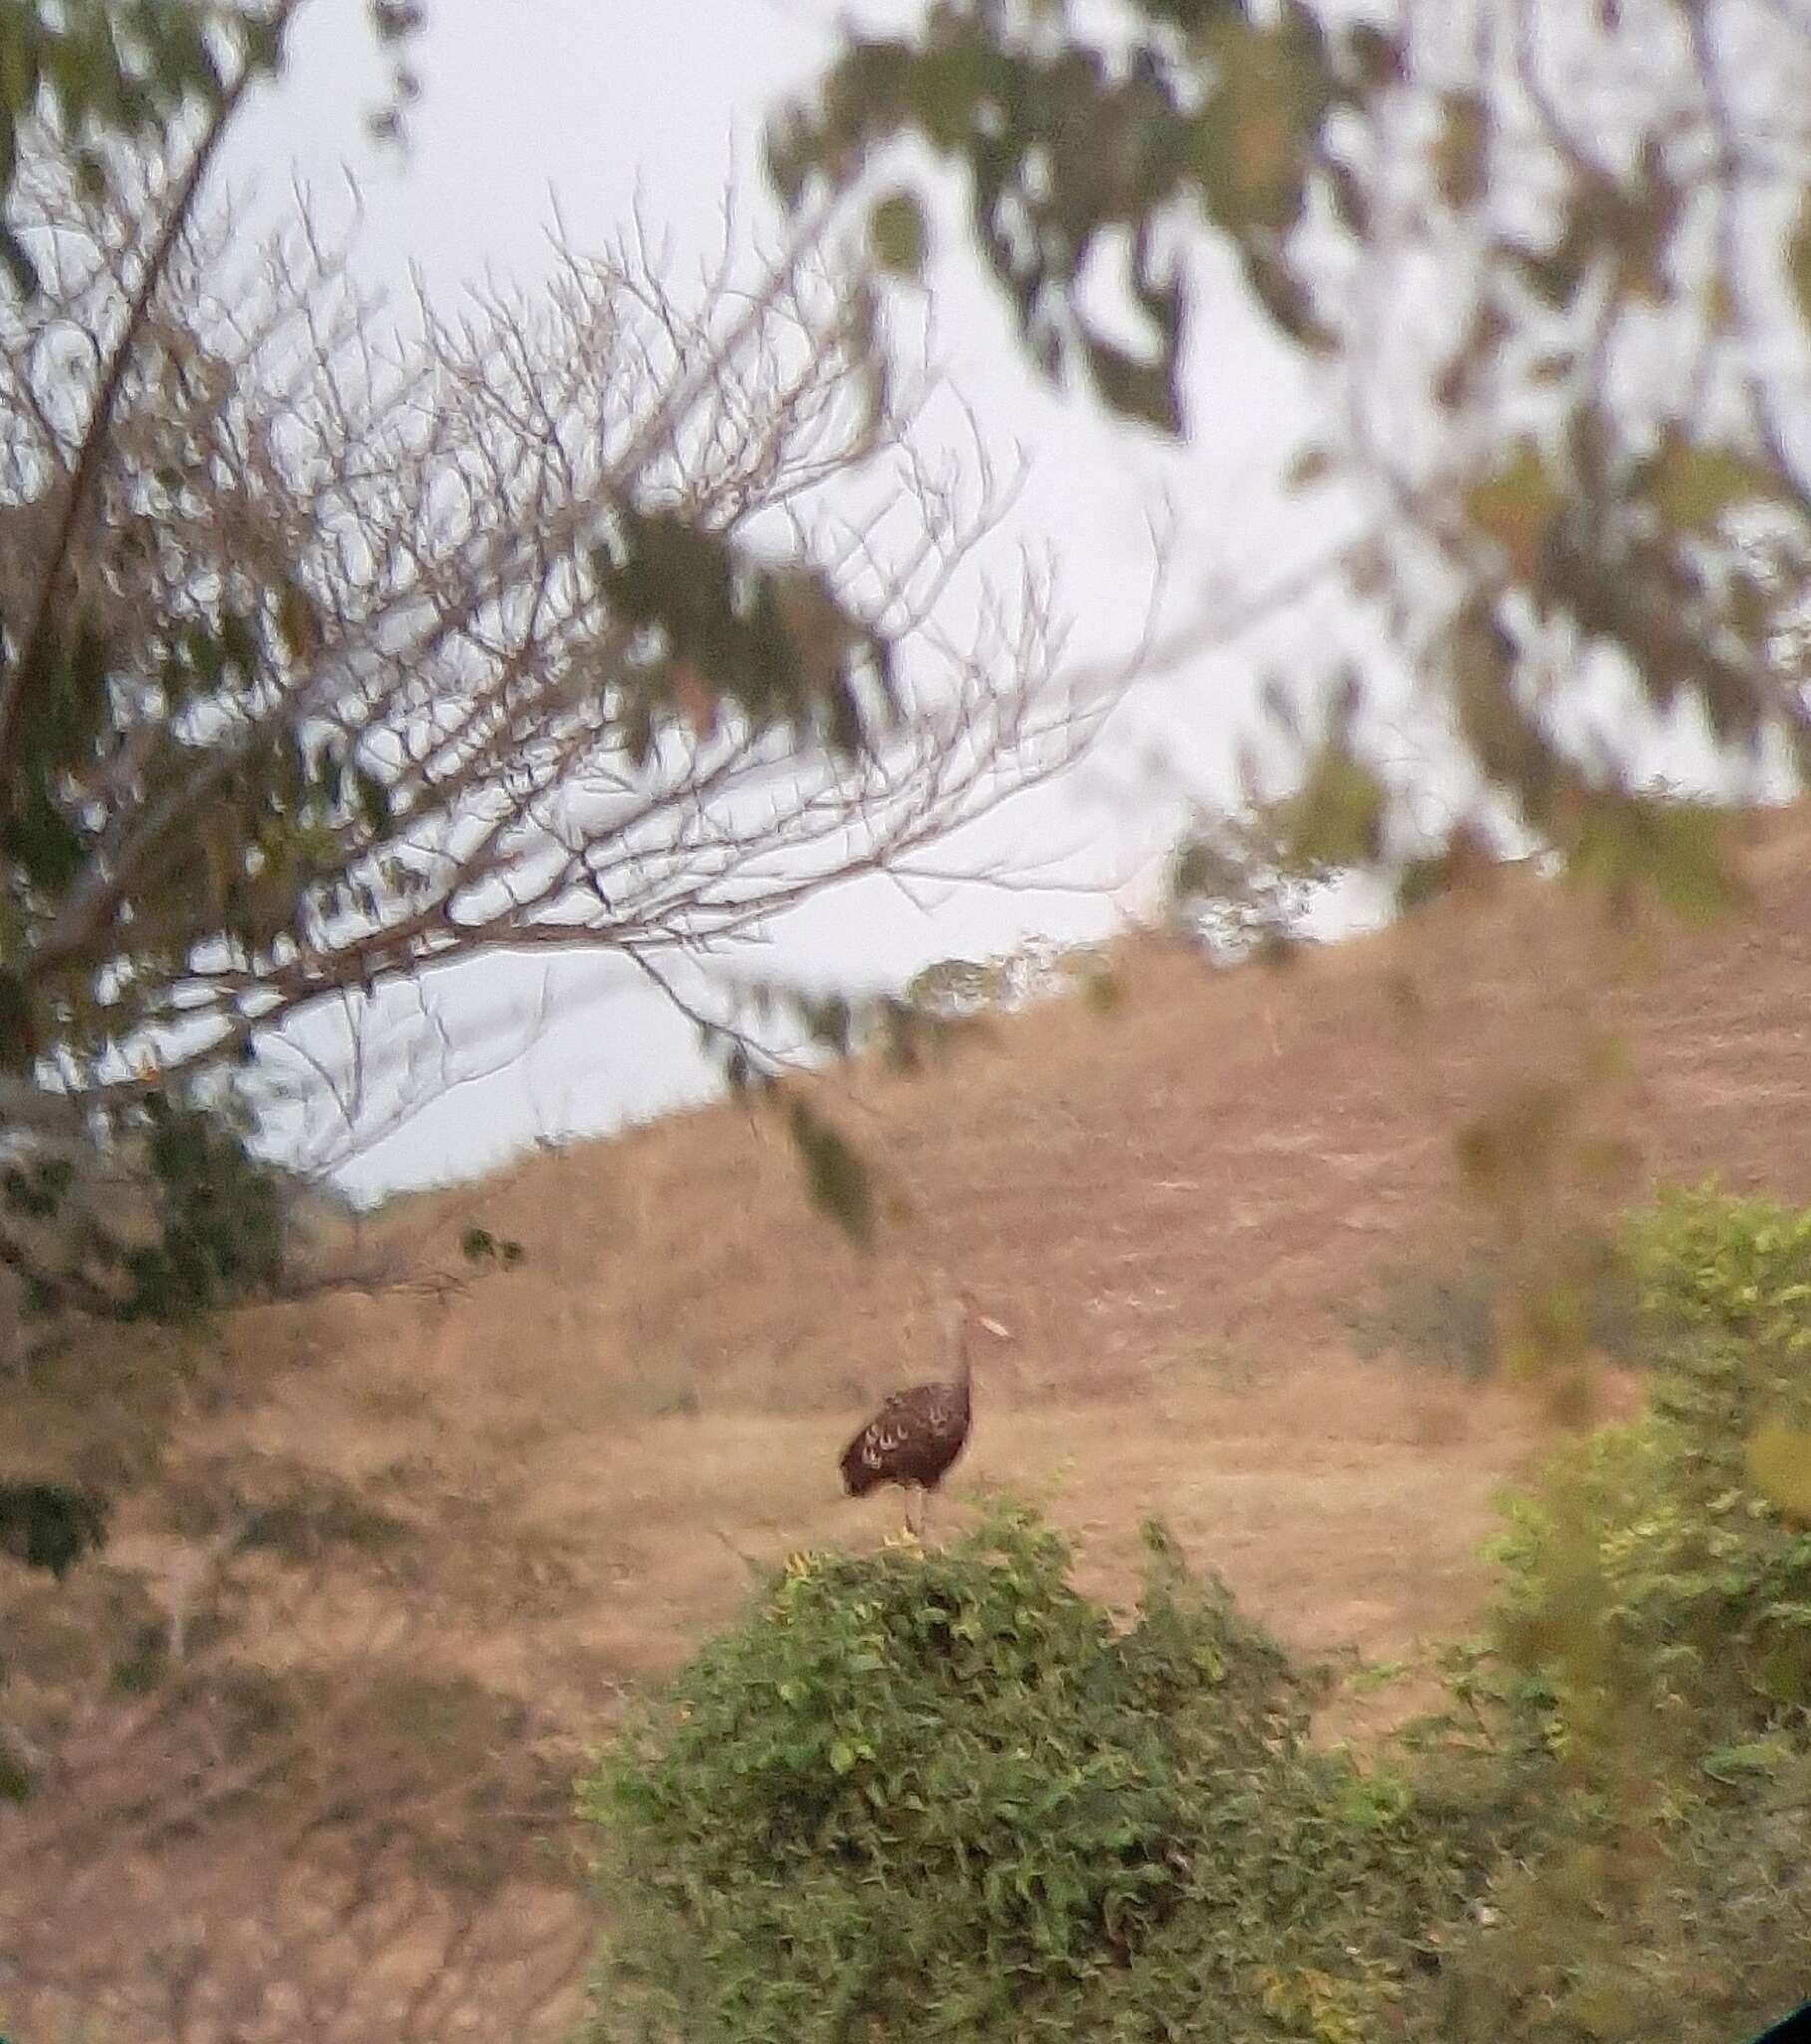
x: 419, y: 528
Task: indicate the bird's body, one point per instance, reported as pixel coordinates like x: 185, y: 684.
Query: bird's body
x: 917, y: 1434
x: 912, y: 1439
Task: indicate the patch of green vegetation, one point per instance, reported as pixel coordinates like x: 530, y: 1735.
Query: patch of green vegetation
x: 1226, y: 1363
x: 1439, y: 1313
x: 1650, y: 1674
x: 316, y: 1512
x: 16, y: 1778
x: 943, y: 1791
x: 145, y: 1663
x: 1371, y: 1676
x: 1459, y: 1311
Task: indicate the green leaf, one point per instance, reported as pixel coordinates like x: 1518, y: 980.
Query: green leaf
x: 1517, y: 506
x: 1252, y: 140
x: 1337, y: 818
x: 49, y: 1525
x: 1748, y: 1757
x: 898, y: 235
x: 1674, y: 850
x: 836, y: 1176
x: 1137, y: 389
x: 1798, y: 258
x: 1693, y: 487
x: 396, y: 20
x: 1312, y: 465
x: 1779, y: 1466
x: 1460, y: 149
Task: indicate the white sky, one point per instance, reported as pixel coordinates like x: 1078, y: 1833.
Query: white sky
x: 598, y: 107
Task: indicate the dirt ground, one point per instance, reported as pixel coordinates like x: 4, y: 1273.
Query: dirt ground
x: 492, y: 1511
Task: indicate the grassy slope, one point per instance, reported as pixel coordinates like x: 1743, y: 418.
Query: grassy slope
x: 504, y: 1506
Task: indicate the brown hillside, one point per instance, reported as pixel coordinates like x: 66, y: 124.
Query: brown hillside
x: 490, y: 1511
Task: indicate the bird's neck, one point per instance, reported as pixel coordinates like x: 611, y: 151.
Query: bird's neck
x: 965, y: 1362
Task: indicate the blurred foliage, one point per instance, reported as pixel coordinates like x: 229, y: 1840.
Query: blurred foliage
x: 103, y: 71
x: 1550, y: 500
x: 99, y: 73
x: 50, y: 1525
x: 777, y: 643
x: 898, y: 235
x: 943, y: 1791
x: 1040, y: 969
x: 1545, y: 1167
x: 1468, y: 1304
x: 170, y: 1218
x: 480, y: 1246
x: 836, y: 1176
x: 1060, y: 144
x: 1651, y: 1666
x: 1241, y: 883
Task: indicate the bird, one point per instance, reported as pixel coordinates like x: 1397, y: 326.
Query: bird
x: 916, y: 1435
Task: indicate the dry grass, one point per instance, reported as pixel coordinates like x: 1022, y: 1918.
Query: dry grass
x: 530, y: 1497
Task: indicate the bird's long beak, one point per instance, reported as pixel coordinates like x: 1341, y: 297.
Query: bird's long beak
x: 993, y: 1328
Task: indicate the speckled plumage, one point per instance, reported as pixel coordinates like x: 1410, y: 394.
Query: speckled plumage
x: 917, y: 1434
x: 913, y: 1438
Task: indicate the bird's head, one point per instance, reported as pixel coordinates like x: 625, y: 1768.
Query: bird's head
x: 962, y: 1312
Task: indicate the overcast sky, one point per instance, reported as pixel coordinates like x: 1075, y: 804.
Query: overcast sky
x: 600, y: 108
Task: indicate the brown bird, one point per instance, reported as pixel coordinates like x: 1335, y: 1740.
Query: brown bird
x: 916, y: 1435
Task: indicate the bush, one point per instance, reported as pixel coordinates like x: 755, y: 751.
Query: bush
x: 1462, y: 1307
x: 1656, y: 1673
x: 1438, y: 1313
x: 169, y: 1220
x: 1243, y: 885
x: 941, y: 1793
x: 944, y: 1793
x: 1658, y: 1546
x: 1725, y: 1290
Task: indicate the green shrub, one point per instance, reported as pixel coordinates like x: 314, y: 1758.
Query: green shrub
x: 1656, y: 1558
x: 1655, y: 1665
x: 171, y: 1218
x: 1725, y: 1292
x: 1459, y: 1307
x: 1438, y: 1313
x: 1653, y: 1556
x: 1625, y: 1573
x: 941, y: 1793
x: 1689, y: 1926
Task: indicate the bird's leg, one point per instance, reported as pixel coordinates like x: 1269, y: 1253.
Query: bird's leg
x: 912, y: 1490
